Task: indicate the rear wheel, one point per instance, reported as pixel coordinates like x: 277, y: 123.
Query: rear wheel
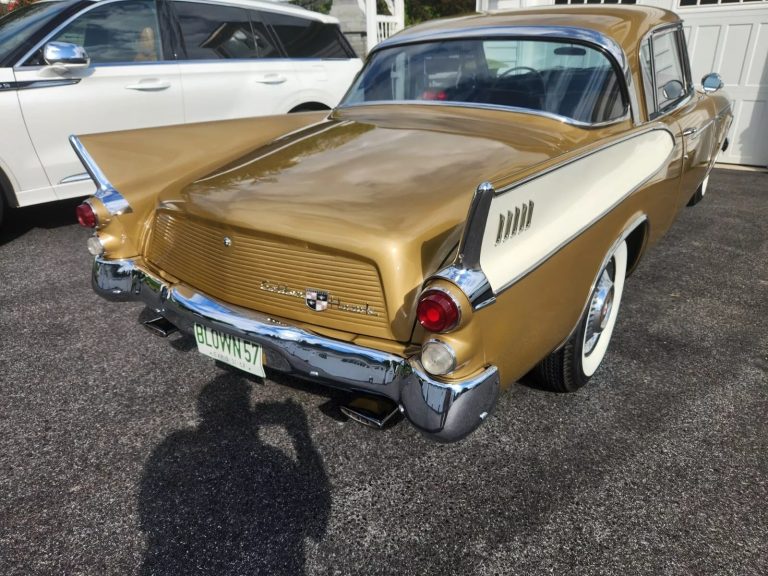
x: 570, y: 367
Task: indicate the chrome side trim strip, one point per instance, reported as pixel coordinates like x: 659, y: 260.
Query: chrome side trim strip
x: 36, y: 84
x: 466, y: 273
x: 113, y: 201
x: 75, y: 178
x: 623, y: 138
x: 522, y: 274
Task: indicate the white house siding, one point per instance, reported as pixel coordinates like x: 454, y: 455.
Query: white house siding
x: 730, y: 38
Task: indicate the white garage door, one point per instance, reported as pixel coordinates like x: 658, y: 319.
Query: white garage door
x: 732, y: 39
x: 725, y: 36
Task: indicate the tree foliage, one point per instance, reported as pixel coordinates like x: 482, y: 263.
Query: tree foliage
x: 415, y: 10
x: 421, y: 10
x: 12, y: 5
x: 322, y: 6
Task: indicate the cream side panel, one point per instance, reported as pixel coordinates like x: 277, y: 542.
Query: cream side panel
x: 565, y: 202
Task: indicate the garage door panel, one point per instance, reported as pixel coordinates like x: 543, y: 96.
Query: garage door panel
x: 734, y: 54
x: 758, y: 66
x: 750, y: 142
x: 707, y: 39
x: 733, y: 41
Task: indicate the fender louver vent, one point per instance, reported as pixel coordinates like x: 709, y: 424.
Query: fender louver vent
x: 513, y: 223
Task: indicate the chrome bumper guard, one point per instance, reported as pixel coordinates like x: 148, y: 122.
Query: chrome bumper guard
x: 445, y: 411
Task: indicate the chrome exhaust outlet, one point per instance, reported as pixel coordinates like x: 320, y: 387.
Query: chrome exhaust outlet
x: 376, y: 413
x: 160, y: 326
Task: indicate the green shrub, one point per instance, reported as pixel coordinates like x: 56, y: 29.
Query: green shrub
x: 322, y: 6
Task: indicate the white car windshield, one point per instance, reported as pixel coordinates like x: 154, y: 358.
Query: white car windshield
x: 19, y: 25
x: 558, y: 77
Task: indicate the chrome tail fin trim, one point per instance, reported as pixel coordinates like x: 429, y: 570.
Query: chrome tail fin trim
x: 113, y: 201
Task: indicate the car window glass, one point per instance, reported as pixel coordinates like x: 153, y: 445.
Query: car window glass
x: 264, y: 40
x: 668, y: 69
x: 646, y: 70
x: 562, y: 78
x: 21, y: 24
x: 213, y: 32
x: 304, y: 38
x: 117, y: 32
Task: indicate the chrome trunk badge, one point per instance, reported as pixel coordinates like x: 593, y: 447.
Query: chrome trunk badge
x: 316, y: 300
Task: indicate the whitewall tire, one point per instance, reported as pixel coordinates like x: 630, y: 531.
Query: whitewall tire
x: 570, y: 367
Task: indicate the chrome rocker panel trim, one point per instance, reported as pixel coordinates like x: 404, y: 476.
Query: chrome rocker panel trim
x: 445, y: 411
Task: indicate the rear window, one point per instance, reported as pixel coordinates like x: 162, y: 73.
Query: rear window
x: 558, y: 77
x: 305, y: 38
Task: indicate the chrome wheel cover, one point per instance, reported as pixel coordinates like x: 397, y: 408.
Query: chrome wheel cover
x: 599, y: 311
x: 603, y: 310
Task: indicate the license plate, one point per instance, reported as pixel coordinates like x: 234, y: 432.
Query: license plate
x: 230, y: 350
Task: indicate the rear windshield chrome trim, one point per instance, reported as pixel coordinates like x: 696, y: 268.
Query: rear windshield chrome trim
x: 481, y: 106
x: 583, y: 35
x: 606, y: 44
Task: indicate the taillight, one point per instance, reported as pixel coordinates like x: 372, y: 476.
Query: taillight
x: 437, y: 311
x: 86, y: 216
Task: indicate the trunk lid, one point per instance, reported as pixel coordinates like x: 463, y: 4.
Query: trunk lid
x: 359, y: 209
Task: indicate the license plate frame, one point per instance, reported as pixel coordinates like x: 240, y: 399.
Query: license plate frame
x: 231, y: 350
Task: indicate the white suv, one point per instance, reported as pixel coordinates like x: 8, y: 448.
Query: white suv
x: 82, y: 66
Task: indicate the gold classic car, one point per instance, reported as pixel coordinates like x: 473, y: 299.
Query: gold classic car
x: 467, y: 215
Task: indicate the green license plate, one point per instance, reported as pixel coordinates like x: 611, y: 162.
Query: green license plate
x: 230, y: 350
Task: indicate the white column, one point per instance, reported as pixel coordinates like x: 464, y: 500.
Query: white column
x: 371, y: 28
x: 400, y: 14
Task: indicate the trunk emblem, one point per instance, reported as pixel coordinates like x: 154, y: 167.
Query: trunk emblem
x: 227, y: 241
x: 316, y: 300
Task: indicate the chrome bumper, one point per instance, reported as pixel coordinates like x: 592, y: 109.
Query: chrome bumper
x: 446, y: 411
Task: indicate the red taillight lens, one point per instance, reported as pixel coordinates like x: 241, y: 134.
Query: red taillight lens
x: 437, y: 311
x: 86, y: 216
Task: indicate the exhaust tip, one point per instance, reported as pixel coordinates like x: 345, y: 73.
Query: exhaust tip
x: 160, y: 326
x: 378, y: 413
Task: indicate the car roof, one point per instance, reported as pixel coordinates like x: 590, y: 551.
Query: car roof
x: 280, y: 6
x: 626, y: 25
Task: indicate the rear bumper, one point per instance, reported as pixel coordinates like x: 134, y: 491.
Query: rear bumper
x: 446, y: 411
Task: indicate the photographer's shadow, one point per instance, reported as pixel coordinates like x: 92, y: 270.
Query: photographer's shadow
x: 217, y: 500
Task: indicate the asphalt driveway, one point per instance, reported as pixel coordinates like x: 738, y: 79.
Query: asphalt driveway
x: 122, y: 453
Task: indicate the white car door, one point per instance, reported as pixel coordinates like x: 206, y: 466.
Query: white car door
x: 322, y: 59
x: 230, y: 66
x: 127, y: 85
